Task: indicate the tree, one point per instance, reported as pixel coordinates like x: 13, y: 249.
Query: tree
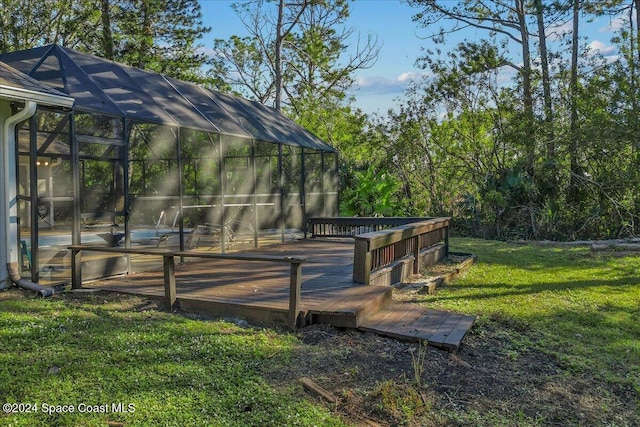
x: 546, y: 79
x: 29, y: 23
x: 161, y: 36
x: 158, y: 35
x: 311, y: 35
x: 501, y: 18
x: 573, y: 93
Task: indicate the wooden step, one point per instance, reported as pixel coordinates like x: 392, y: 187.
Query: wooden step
x: 350, y: 307
x: 412, y: 322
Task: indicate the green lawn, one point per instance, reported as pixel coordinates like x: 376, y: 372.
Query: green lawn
x: 172, y: 370
x: 581, y: 306
x: 578, y: 310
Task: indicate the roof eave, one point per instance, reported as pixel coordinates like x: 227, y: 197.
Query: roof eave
x: 19, y: 94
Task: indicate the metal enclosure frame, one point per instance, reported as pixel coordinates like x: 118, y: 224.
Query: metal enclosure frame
x: 222, y: 165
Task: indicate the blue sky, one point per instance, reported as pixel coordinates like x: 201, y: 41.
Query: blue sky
x: 401, y: 44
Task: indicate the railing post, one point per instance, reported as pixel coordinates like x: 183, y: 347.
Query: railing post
x: 416, y: 255
x: 294, y: 292
x: 361, y: 262
x: 76, y: 269
x: 169, y: 280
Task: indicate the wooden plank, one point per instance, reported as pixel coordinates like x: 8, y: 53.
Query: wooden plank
x: 245, y: 256
x: 396, y: 321
x: 378, y: 239
x: 445, y: 329
x: 416, y: 255
x: 361, y: 262
x: 294, y: 294
x: 352, y: 299
x: 217, y: 308
x: 169, y: 280
x: 454, y: 338
x: 76, y: 269
x: 429, y: 324
x: 349, y: 307
x: 195, y: 254
x: 403, y: 328
x: 398, y: 314
x: 119, y: 250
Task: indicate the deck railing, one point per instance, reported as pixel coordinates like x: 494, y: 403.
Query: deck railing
x: 351, y: 226
x: 386, y: 249
x: 170, y: 294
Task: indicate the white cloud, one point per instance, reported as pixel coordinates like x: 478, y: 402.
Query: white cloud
x: 614, y: 25
x: 210, y: 53
x: 385, y: 85
x: 597, y: 46
x: 617, y: 23
x: 407, y: 77
x: 559, y: 31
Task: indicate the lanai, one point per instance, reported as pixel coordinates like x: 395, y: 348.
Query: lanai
x: 144, y: 159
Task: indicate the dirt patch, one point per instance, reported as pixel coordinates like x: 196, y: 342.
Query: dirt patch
x: 489, y: 378
x: 493, y: 379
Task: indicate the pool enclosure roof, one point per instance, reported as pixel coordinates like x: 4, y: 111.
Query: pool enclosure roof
x: 101, y: 86
x: 17, y: 86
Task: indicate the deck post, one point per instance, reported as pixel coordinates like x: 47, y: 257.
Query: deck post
x: 294, y: 292
x: 416, y: 255
x: 76, y: 269
x: 169, y: 280
x: 362, y: 262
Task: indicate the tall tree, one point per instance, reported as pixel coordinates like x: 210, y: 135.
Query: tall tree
x: 28, y: 23
x: 162, y: 36
x: 107, y: 33
x: 546, y: 79
x: 313, y: 38
x: 503, y: 18
x: 573, y: 93
x: 159, y: 35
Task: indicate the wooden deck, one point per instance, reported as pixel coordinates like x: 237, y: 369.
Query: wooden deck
x: 260, y: 291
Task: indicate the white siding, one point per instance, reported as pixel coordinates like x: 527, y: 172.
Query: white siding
x: 5, y: 111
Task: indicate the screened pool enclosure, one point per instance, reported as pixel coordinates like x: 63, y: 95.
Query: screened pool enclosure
x: 146, y: 160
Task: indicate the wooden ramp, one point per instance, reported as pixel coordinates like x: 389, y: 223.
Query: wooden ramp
x: 412, y: 322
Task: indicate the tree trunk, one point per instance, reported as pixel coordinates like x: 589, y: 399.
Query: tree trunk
x: 107, y: 36
x: 635, y: 90
x: 147, y: 35
x: 526, y: 81
x: 546, y: 82
x: 573, y: 93
x: 637, y: 6
x: 278, y: 56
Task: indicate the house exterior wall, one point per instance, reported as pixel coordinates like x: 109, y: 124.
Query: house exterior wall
x: 5, y: 112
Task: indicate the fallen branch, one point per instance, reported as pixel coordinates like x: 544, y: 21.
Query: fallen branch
x: 309, y: 385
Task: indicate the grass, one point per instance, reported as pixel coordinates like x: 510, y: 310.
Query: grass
x: 580, y: 306
x: 557, y: 342
x: 171, y: 370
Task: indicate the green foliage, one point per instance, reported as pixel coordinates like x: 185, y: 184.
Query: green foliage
x: 157, y: 35
x: 502, y: 157
x: 403, y: 402
x: 161, y: 36
x: 370, y: 194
